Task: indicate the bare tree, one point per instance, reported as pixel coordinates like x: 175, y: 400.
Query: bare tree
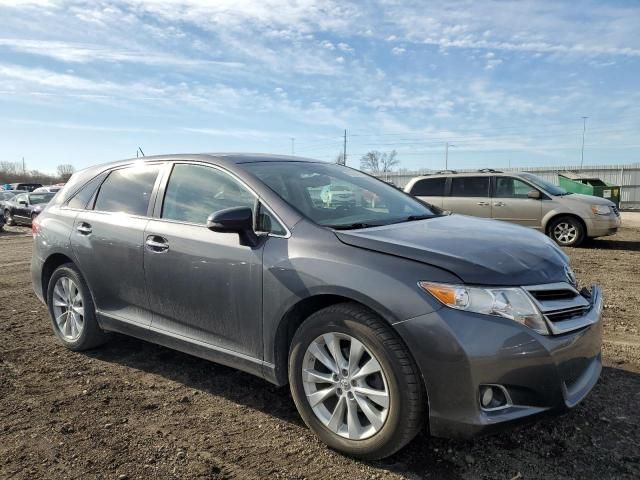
x: 65, y: 171
x: 379, y: 162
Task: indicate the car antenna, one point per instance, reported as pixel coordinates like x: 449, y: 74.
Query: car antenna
x: 140, y: 150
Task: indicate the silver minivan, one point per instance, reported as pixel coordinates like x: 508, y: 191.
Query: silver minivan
x: 522, y: 198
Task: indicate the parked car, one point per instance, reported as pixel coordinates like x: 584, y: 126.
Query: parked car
x: 6, y: 195
x: 521, y: 198
x: 378, y: 318
x: 24, y: 207
x: 48, y: 189
x: 337, y: 195
x: 28, y: 187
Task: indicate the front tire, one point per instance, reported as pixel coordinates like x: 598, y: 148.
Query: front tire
x: 567, y: 231
x: 72, y: 311
x: 354, y: 382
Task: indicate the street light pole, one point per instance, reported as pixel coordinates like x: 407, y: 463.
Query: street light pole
x: 584, y: 129
x: 446, y: 155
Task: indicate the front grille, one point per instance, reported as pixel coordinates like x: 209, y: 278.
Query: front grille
x: 559, y: 303
x: 566, y: 314
x: 546, y: 295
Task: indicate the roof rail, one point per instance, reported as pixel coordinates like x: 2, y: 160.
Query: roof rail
x: 489, y: 170
x: 445, y: 171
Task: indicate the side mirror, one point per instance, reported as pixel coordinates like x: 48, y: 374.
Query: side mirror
x: 23, y: 202
x: 535, y: 194
x: 236, y: 219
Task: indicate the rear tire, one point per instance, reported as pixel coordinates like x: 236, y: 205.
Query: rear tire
x: 72, y: 311
x: 352, y: 417
x: 567, y: 231
x: 8, y: 218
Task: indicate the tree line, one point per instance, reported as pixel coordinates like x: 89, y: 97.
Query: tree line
x: 15, y: 172
x: 375, y: 161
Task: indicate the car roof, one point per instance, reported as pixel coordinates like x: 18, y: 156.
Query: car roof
x: 469, y: 174
x: 218, y: 158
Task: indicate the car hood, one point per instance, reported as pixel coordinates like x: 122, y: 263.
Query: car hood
x: 478, y: 251
x: 587, y: 199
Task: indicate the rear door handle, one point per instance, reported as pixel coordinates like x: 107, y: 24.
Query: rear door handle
x: 483, y: 204
x: 156, y: 243
x: 499, y: 204
x: 84, y: 228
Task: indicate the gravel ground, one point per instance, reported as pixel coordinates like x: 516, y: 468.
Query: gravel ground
x: 135, y: 410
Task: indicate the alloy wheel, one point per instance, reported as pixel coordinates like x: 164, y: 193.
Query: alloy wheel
x: 345, y: 386
x: 565, y: 232
x: 68, y: 308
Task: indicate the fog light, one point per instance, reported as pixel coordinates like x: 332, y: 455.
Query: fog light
x: 494, y: 397
x: 487, y: 396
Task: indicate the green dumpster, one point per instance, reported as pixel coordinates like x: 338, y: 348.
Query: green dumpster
x: 580, y: 183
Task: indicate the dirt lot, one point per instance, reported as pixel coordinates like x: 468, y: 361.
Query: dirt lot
x: 135, y: 410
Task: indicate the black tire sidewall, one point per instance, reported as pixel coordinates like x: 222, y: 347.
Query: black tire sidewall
x: 573, y: 221
x: 384, y: 442
x: 91, y: 333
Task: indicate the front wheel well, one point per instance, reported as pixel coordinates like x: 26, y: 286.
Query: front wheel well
x: 50, y: 265
x: 547, y: 227
x: 292, y: 320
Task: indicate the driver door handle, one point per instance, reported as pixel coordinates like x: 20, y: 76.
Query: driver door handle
x: 156, y: 243
x: 84, y: 228
x: 499, y: 204
x: 483, y: 204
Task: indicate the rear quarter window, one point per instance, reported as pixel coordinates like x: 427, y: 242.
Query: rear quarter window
x: 81, y: 198
x: 429, y: 187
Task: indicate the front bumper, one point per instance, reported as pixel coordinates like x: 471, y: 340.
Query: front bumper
x: 603, y: 225
x: 458, y: 351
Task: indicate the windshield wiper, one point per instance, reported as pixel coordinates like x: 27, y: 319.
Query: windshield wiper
x: 352, y: 226
x: 413, y: 218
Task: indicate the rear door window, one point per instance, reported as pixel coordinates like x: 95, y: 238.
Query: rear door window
x: 470, y: 186
x: 128, y: 190
x: 429, y: 187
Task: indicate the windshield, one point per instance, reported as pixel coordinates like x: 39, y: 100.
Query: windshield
x: 543, y: 184
x: 37, y: 198
x: 337, y: 196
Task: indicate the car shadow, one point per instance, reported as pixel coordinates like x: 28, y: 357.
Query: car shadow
x: 550, y: 437
x: 13, y: 233
x: 626, y: 245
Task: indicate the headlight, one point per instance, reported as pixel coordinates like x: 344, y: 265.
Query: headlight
x: 600, y: 209
x: 512, y: 303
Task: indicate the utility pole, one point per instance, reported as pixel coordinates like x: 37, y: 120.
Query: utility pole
x: 344, y: 150
x: 293, y: 142
x: 446, y: 155
x: 584, y: 129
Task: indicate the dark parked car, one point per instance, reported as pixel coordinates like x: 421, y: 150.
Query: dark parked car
x: 378, y: 318
x: 24, y: 207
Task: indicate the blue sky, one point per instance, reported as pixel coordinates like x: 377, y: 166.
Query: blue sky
x: 84, y: 82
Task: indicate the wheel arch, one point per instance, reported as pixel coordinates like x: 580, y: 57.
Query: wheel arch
x: 297, y: 313
x: 50, y: 265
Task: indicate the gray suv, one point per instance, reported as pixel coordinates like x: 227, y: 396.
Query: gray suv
x: 521, y: 198
x: 380, y: 314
